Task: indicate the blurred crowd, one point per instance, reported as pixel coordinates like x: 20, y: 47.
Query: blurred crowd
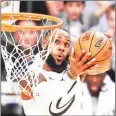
x: 78, y: 17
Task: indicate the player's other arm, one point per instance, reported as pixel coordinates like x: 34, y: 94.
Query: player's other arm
x: 26, y: 92
x: 26, y: 88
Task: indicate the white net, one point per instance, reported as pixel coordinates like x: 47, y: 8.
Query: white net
x: 22, y: 48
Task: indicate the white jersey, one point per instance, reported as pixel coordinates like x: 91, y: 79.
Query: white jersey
x: 58, y: 96
x: 106, y: 100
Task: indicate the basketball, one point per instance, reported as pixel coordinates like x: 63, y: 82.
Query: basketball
x: 99, y: 45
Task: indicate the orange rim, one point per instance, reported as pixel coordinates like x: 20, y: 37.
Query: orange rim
x: 25, y: 16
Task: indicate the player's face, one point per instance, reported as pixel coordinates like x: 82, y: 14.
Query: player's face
x: 111, y: 19
x: 95, y: 82
x: 74, y: 9
x: 26, y: 38
x: 61, y: 48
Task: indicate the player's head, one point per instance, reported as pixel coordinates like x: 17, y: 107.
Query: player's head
x: 111, y: 16
x: 26, y: 38
x: 74, y: 9
x: 60, y: 50
x: 94, y: 83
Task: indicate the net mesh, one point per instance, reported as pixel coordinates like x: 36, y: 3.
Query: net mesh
x: 25, y: 48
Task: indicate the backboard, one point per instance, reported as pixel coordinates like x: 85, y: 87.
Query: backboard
x: 9, y: 7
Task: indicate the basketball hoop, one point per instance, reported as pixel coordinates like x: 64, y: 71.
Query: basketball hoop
x: 26, y: 50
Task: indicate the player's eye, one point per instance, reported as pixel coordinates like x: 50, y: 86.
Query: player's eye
x: 56, y: 41
x: 67, y: 44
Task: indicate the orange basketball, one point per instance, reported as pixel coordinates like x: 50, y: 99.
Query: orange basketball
x: 99, y: 45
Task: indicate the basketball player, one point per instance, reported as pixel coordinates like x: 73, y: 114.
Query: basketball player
x: 58, y: 93
x: 99, y: 95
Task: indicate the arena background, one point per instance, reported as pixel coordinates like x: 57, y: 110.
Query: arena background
x: 10, y: 103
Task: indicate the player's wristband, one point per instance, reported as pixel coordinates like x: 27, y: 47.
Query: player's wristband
x: 71, y: 75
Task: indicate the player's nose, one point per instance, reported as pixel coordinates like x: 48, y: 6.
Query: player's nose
x: 61, y: 48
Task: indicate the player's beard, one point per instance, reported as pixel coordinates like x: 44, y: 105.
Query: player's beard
x: 57, y: 68
x: 96, y: 94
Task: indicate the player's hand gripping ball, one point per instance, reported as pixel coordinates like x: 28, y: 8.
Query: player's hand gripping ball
x: 100, y: 47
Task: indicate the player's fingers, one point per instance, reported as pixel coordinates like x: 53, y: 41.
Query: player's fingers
x: 84, y: 59
x: 78, y: 59
x: 94, y: 67
x: 72, y: 52
x: 89, y: 64
x: 89, y: 58
x: 73, y: 57
x: 83, y: 52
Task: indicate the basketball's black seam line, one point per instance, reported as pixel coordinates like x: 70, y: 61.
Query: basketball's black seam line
x: 91, y: 41
x: 101, y: 49
x: 80, y: 43
x: 103, y: 59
